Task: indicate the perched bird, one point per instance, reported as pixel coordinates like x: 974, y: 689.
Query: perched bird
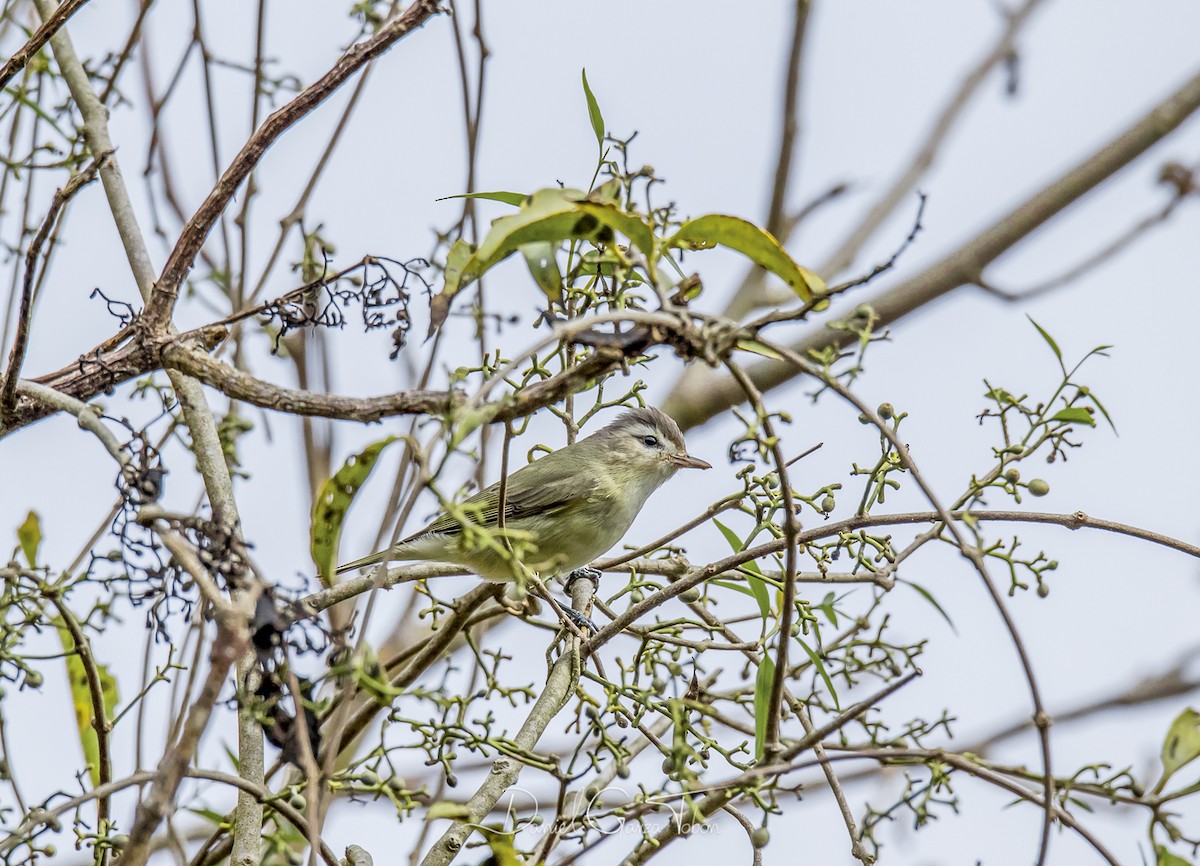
x: 563, y: 510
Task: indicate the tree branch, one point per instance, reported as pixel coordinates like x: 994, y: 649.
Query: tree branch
x: 191, y: 239
x: 702, y: 395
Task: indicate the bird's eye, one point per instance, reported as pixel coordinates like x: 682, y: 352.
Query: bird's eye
x: 650, y: 441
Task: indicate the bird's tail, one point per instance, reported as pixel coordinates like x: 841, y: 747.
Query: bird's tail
x: 373, y: 559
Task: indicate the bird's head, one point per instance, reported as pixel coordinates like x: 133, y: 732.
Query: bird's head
x: 648, y: 442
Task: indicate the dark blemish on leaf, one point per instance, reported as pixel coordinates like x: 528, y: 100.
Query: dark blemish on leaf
x: 585, y: 226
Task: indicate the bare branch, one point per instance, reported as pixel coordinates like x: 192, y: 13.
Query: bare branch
x: 702, y: 395
x: 191, y: 239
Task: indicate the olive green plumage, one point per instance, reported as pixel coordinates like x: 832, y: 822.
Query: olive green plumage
x: 561, y: 511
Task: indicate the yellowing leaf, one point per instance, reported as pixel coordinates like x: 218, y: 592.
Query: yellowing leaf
x: 748, y: 239
x: 81, y: 698
x: 759, y: 349
x: 444, y: 809
x: 501, y: 843
x: 29, y: 536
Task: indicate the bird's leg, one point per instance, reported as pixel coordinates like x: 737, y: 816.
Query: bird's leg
x: 571, y: 619
x: 585, y: 624
x: 584, y: 573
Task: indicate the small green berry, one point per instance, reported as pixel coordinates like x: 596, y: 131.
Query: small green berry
x: 760, y: 837
x: 886, y: 411
x: 828, y: 503
x: 1013, y: 475
x: 1038, y: 487
x: 690, y: 595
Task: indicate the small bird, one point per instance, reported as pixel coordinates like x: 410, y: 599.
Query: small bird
x: 563, y: 510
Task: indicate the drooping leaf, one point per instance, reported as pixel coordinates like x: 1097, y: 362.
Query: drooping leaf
x: 756, y: 244
x: 827, y: 608
x: 762, y: 700
x: 514, y: 198
x: 1181, y: 745
x: 1074, y: 415
x: 543, y: 267
x: 754, y: 578
x: 330, y: 506
x: 820, y: 666
x: 29, y: 536
x: 1103, y: 411
x: 928, y: 596
x: 594, y: 114
x: 81, y: 698
x: 758, y: 587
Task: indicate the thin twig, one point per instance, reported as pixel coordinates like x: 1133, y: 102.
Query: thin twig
x: 16, y: 357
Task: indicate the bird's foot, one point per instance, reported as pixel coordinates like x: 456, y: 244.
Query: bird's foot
x: 586, y: 573
x: 583, y: 622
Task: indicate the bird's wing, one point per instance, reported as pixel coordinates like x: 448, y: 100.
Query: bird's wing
x: 523, y: 497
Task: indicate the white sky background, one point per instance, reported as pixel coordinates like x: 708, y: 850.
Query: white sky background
x: 700, y: 82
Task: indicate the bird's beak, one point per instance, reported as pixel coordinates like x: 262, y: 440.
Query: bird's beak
x: 687, y: 461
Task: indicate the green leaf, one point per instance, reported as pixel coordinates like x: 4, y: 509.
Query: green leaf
x: 29, y: 536
x: 1181, y: 746
x: 820, y: 666
x: 826, y: 607
x: 754, y: 579
x: 1163, y: 857
x: 928, y: 596
x: 1074, y: 415
x: 594, y: 111
x: 748, y: 239
x: 762, y: 700
x: 212, y: 816
x: 1103, y: 411
x: 758, y: 587
x: 330, y: 506
x: 514, y: 198
x: 730, y: 536
x: 543, y: 267
x: 81, y: 698
x: 736, y: 587
x: 1049, y: 340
